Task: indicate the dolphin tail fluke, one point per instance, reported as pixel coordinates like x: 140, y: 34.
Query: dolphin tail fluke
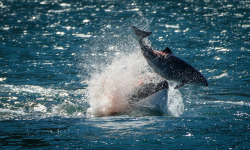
x: 140, y: 33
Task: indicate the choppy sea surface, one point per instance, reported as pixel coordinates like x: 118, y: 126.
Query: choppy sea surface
x: 66, y: 65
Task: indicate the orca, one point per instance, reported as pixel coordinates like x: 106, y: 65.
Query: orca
x: 146, y: 90
x: 148, y: 98
x: 167, y: 65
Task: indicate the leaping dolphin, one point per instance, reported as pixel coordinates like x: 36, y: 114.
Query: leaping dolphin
x: 167, y: 65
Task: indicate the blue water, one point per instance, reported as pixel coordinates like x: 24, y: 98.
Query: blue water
x: 55, y: 56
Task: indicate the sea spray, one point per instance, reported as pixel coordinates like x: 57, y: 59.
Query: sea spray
x: 108, y: 91
x: 175, y: 103
x: 119, y: 68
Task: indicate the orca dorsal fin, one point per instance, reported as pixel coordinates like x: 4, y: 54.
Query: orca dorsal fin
x: 167, y: 50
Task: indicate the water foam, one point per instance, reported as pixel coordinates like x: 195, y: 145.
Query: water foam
x: 175, y: 102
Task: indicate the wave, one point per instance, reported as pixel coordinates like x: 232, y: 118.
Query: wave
x: 9, y: 111
x: 241, y: 103
x: 43, y: 91
x: 32, y: 101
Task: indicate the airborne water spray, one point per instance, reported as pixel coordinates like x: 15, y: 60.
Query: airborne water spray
x: 122, y: 70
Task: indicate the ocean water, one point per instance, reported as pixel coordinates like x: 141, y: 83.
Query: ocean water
x: 65, y: 66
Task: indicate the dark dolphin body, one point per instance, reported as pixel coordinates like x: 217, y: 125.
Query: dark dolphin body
x: 140, y: 93
x: 146, y: 90
x: 169, y: 66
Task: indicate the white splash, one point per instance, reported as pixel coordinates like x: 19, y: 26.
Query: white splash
x: 108, y: 90
x: 175, y: 102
